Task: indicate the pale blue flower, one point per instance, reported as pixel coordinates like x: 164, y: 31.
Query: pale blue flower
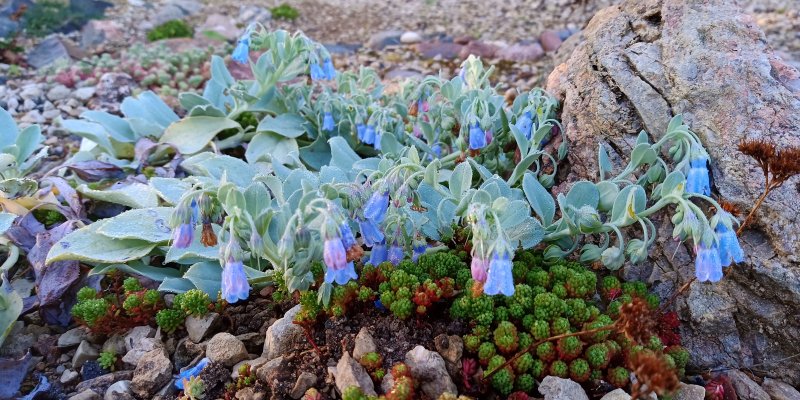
x: 333, y: 253
x: 234, y: 281
x: 341, y: 276
x: 361, y: 131
x: 241, y: 53
x: 191, y: 373
x: 369, y: 135
x: 418, y: 251
x: 525, y: 124
x: 328, y: 70
x: 378, y: 254
x: 327, y: 122
x: 477, y: 137
x: 396, y: 254
x: 316, y: 72
x: 370, y: 232
x: 730, y: 251
x: 183, y: 236
x: 348, y: 240
x: 500, y: 280
x: 376, y: 206
x: 378, y: 137
x: 697, y: 180
x: 707, y: 265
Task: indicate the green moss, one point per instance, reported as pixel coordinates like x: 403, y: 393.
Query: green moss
x: 285, y: 11
x: 107, y: 360
x: 171, y: 29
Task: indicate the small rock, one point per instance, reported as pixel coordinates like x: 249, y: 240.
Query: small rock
x: 91, y: 369
x: 86, y: 395
x: 100, y: 384
x: 617, y: 394
x: 521, y: 53
x: 438, y: 49
x: 47, y: 52
x: 554, y: 388
x: 282, y: 335
x: 145, y: 345
x: 112, y: 89
x: 251, y: 13
x: 165, y: 14
x: 551, y: 40
x: 17, y: 342
x: 410, y: 37
x: 185, y: 352
x: 253, y: 341
x: 745, y: 387
x: 689, y: 392
x: 199, y: 327
x: 119, y: 390
x: 136, y: 334
x: 305, y: 381
x: 430, y: 369
x: 364, y: 344
x: 115, y: 344
x: 779, y: 390
x: 153, y: 371
x: 381, y: 40
x: 250, y: 393
x: 254, y: 364
x: 58, y: 92
x: 225, y: 349
x: 85, y: 352
x: 451, y: 348
x: 221, y: 24
x: 267, y: 371
x: 69, y: 376
x: 387, y: 383
x: 84, y: 93
x: 479, y: 49
x: 350, y: 373
x: 97, y: 32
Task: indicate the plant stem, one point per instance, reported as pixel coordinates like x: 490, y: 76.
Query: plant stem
x: 753, y: 211
x: 550, y: 339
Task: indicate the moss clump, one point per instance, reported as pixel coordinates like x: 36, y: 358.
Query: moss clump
x: 285, y: 12
x: 171, y: 29
x: 107, y: 360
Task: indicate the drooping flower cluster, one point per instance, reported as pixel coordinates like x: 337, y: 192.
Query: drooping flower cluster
x: 697, y: 178
x: 721, y: 251
x: 337, y: 239
x: 235, y: 286
x: 241, y: 54
x: 325, y: 72
x: 491, y: 264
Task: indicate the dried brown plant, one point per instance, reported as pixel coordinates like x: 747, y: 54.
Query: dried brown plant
x: 653, y: 375
x: 637, y: 321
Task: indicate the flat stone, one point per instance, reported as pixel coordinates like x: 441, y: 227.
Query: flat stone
x: 187, y: 351
x: 520, y: 52
x: 98, y: 32
x: 746, y: 388
x: 779, y: 390
x: 100, y: 384
x: 145, y: 345
x: 380, y: 40
x: 254, y: 364
x: 305, y: 381
x: 689, y: 392
x: 85, y: 352
x: 451, y: 348
x: 225, y: 349
x: 437, y: 49
x: 554, y: 388
x: 221, y: 24
x: 119, y: 390
x: 410, y: 37
x: 153, y: 371
x: 84, y: 93
x: 479, y: 49
x: 431, y: 370
x: 86, y: 395
x: 74, y: 337
x: 198, y: 327
x: 617, y: 394
x: 268, y: 369
x: 136, y: 334
x: 282, y: 335
x: 250, y: 393
x: 58, y: 92
x: 69, y: 376
x: 364, y: 344
x: 47, y: 52
x: 350, y: 373
x: 115, y: 344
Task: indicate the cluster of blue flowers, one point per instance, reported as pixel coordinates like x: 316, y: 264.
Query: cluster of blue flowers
x: 725, y: 249
x: 369, y: 135
x: 490, y: 266
x: 325, y: 72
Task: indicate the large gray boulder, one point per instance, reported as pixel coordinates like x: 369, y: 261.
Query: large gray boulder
x: 633, y: 67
